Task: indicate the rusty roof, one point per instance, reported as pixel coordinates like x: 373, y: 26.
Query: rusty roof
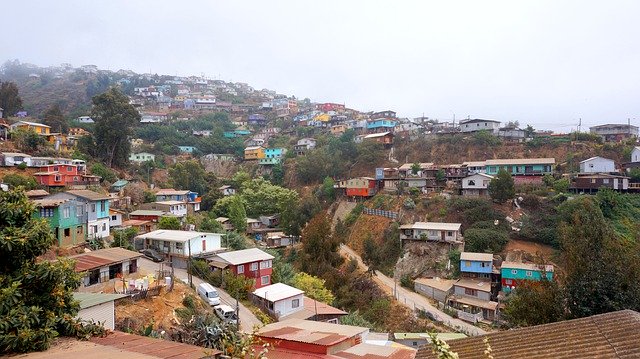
x: 155, y: 348
x: 306, y: 331
x: 610, y: 335
x: 102, y: 257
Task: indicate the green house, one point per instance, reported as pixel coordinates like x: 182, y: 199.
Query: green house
x: 521, y: 166
x: 514, y: 273
x: 66, y: 217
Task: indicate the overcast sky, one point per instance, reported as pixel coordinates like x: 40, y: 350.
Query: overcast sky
x: 546, y: 63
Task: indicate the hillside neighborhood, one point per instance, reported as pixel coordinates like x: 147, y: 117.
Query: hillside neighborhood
x: 216, y: 219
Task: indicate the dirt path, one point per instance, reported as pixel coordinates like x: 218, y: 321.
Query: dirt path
x: 343, y: 210
x: 413, y: 300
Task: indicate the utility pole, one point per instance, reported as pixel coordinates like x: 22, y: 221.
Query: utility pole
x: 189, y: 267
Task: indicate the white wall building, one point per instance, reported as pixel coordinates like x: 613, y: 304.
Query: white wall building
x: 476, y: 185
x: 98, y: 307
x: 597, y: 165
x: 179, y: 245
x: 635, y: 154
x: 475, y: 125
x: 431, y: 231
x: 280, y: 299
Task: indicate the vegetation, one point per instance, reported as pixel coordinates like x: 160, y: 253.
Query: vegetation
x: 313, y: 287
x: 501, y: 187
x: 10, y: 100
x: 15, y: 180
x: 169, y: 223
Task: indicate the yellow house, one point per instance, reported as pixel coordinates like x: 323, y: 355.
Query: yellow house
x: 323, y: 117
x: 254, y: 153
x: 338, y: 129
x: 60, y: 141
x: 180, y: 98
x: 39, y: 128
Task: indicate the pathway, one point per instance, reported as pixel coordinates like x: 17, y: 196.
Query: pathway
x: 414, y: 300
x: 247, y: 319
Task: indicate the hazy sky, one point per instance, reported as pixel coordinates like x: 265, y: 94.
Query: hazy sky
x: 546, y: 63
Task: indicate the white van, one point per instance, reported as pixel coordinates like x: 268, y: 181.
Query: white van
x: 226, y: 313
x: 210, y: 295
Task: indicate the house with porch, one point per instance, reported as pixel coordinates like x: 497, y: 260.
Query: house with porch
x: 179, y: 246
x: 591, y: 183
x: 472, y: 298
x: 66, y: 219
x: 61, y: 175
x: 253, y: 153
x: 431, y: 231
x: 106, y: 264
x: 251, y: 263
x: 523, y: 170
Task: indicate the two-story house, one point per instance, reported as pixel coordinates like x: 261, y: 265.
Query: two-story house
x: 95, y: 207
x: 179, y: 246
x: 475, y: 125
x: 431, y: 231
x: 472, y: 300
x: 476, y: 185
x: 513, y: 273
x: 279, y: 299
x: 304, y: 144
x: 66, y: 218
x: 60, y: 175
x: 251, y: 263
x: 176, y: 208
x: 523, y: 170
x: 272, y: 156
x: 359, y: 187
x: 227, y: 190
x: 190, y: 198
x: 480, y: 266
x: 253, y: 153
x: 597, y: 164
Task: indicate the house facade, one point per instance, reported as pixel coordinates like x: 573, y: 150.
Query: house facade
x: 431, y: 231
x: 475, y: 125
x: 178, y: 246
x: 597, y: 165
x: 66, y: 219
x: 436, y: 288
x: 591, y: 183
x: 521, y: 166
x: 95, y: 207
x: 279, y: 299
x: 514, y: 273
x: 142, y: 157
x: 272, y: 156
x: 254, y: 153
x: 472, y: 300
x: 60, y: 175
x: 385, y: 138
x: 359, y: 187
x: 615, y: 132
x: 104, y: 265
x: 176, y: 208
x: 38, y: 128
x: 251, y: 263
x: 476, y: 185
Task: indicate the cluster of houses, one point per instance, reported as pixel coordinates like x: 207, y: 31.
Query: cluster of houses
x: 60, y: 142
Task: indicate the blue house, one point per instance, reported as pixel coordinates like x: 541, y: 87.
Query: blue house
x: 381, y: 125
x: 187, y: 149
x: 521, y: 166
x: 476, y: 265
x: 272, y: 156
x: 514, y: 273
x: 93, y: 207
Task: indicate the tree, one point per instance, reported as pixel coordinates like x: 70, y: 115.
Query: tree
x: 16, y: 180
x: 319, y: 247
x: 209, y: 224
x: 10, y: 100
x: 501, y: 187
x: 415, y: 168
x: 189, y: 175
x: 28, y: 140
x: 371, y: 255
x: 237, y: 214
x: 36, y: 300
x: 529, y: 131
x: 105, y: 173
x: 124, y: 238
x: 534, y: 303
x: 485, y: 240
x: 328, y: 191
x: 54, y: 118
x: 235, y: 240
x: 114, y: 118
x: 313, y: 287
x: 169, y: 223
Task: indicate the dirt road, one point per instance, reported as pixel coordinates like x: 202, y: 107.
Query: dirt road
x: 414, y: 300
x: 247, y: 319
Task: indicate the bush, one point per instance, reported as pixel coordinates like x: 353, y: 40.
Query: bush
x: 407, y: 282
x: 106, y: 173
x: 238, y: 286
x: 15, y: 180
x: 353, y: 216
x: 485, y: 240
x: 22, y: 166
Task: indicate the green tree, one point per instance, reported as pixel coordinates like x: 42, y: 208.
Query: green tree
x: 501, y: 187
x: 415, y: 168
x: 485, y: 240
x: 371, y: 255
x: 36, y: 300
x: 561, y: 185
x: 10, y: 99
x: 529, y: 131
x: 534, y: 303
x: 313, y: 287
x: 16, y: 180
x: 124, y: 238
x: 328, y: 189
x: 319, y: 247
x: 209, y: 224
x: 235, y: 240
x: 104, y: 172
x: 28, y: 140
x: 277, y: 174
x: 114, y: 119
x: 239, y: 179
x: 283, y: 272
x: 54, y: 118
x: 189, y: 175
x: 169, y: 223
x: 441, y: 175
x: 237, y: 213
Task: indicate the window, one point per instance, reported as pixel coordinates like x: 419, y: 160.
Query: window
x: 472, y: 183
x: 104, y: 226
x: 264, y: 280
x: 467, y: 263
x: 79, y: 211
x: 295, y: 303
x: 46, y: 212
x: 66, y: 212
x: 67, y: 232
x: 484, y: 264
x: 265, y: 264
x: 69, y: 169
x: 56, y: 168
x: 590, y: 165
x: 93, y: 207
x: 593, y: 180
x: 514, y: 271
x: 179, y: 246
x: 204, y: 245
x: 529, y: 273
x: 103, y: 205
x: 472, y: 292
x: 605, y: 180
x: 254, y: 266
x: 240, y: 269
x: 57, y: 178
x: 450, y: 234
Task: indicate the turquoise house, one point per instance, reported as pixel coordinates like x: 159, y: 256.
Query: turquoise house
x: 521, y: 166
x: 514, y: 273
x: 66, y: 218
x: 272, y: 156
x: 236, y: 133
x: 95, y: 209
x: 187, y: 149
x: 384, y: 124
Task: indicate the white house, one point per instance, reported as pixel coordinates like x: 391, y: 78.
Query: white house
x: 279, y: 299
x: 474, y: 125
x: 115, y: 217
x: 142, y: 157
x: 597, y: 165
x: 15, y: 158
x: 98, y: 307
x: 475, y: 166
x: 227, y: 190
x: 431, y: 231
x: 476, y: 185
x: 635, y: 154
x: 179, y: 245
x: 84, y: 119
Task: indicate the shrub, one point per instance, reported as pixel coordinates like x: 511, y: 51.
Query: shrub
x: 485, y: 240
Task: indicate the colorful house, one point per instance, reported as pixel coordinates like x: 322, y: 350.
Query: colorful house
x: 272, y: 156
x: 95, y: 207
x: 66, y: 218
x: 359, y: 187
x: 60, y: 175
x: 256, y: 119
x: 521, y: 166
x: 254, y: 153
x: 142, y: 157
x: 179, y: 246
x: 187, y: 149
x: 385, y: 138
x: 251, y: 263
x: 514, y: 273
x: 39, y: 128
x: 381, y: 125
x: 476, y: 265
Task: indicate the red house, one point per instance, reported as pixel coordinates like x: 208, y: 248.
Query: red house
x: 326, y: 107
x: 60, y: 175
x: 359, y: 187
x: 251, y: 263
x: 147, y: 215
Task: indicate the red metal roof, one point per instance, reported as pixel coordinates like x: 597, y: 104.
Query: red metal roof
x: 155, y: 347
x: 88, y: 262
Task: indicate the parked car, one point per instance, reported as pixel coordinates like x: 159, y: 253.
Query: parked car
x: 226, y: 313
x: 153, y: 255
x: 210, y: 295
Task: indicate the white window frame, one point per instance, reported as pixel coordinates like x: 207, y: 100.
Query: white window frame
x: 240, y: 269
x: 263, y: 281
x: 254, y: 266
x: 514, y: 271
x: 529, y: 273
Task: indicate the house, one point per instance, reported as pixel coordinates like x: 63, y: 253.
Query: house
x: 98, y: 308
x: 179, y: 246
x: 277, y: 240
x: 635, y: 154
x: 4, y: 128
x: 186, y: 149
x: 385, y: 138
x: 359, y: 187
x: 255, y: 142
x: 512, y: 133
x: 10, y: 159
x: 382, y: 114
x: 227, y: 190
x: 338, y: 129
x: 95, y: 207
x: 141, y: 227
x: 38, y: 128
x: 609, y: 335
x: 475, y: 125
x: 190, y: 198
x: 476, y: 265
x: 615, y: 132
x: 225, y: 222
x: 597, y: 165
x: 153, y: 117
x: 202, y: 133
x: 514, y: 272
x: 142, y: 157
x: 278, y: 299
x: 118, y: 186
x: 251, y: 263
x: 382, y: 124
x: 418, y: 340
x: 476, y: 185
x: 58, y: 175
x: 592, y: 182
x: 431, y: 231
x: 472, y: 299
x: 103, y: 265
x: 176, y: 208
x: 253, y: 153
x: 84, y: 119
x: 316, y: 311
x: 147, y: 215
x: 256, y: 120
x: 435, y: 288
x: 523, y: 170
x: 254, y: 225
x: 115, y: 217
x: 270, y: 221
x: 66, y: 217
x: 272, y: 156
x: 36, y: 194
x: 326, y: 107
x: 474, y: 167
x: 304, y: 144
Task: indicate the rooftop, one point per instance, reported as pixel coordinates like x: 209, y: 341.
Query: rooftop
x: 442, y: 336
x: 610, y: 335
x: 376, y: 135
x: 30, y: 124
x: 276, y: 292
x: 437, y: 283
x: 526, y: 266
x: 244, y: 256
x: 90, y: 195
x: 173, y: 235
x: 102, y: 257
x: 306, y: 331
x: 313, y: 307
x: 474, y: 283
x: 88, y: 300
x: 146, y: 212
x: 481, y: 257
x: 171, y: 192
x: 433, y: 226
x: 169, y: 203
x: 37, y: 193
x: 521, y: 161
x: 45, y: 202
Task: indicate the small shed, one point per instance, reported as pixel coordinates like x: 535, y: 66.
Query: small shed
x: 436, y: 288
x: 98, y: 307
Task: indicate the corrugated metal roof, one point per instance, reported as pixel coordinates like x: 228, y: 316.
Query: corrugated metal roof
x: 370, y: 351
x: 88, y: 300
x: 102, y: 257
x: 146, y: 212
x: 481, y: 257
x: 437, y: 283
x: 173, y: 235
x: 276, y: 292
x: 438, y: 226
x: 155, y: 348
x: 472, y: 283
x: 244, y: 256
x: 521, y: 161
x: 526, y: 266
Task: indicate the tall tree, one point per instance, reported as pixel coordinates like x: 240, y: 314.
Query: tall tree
x: 238, y: 214
x: 501, y: 187
x: 10, y: 99
x: 189, y: 175
x: 319, y: 254
x: 54, y: 118
x: 114, y: 118
x: 36, y: 300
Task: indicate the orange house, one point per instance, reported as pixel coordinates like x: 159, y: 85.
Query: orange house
x: 361, y: 187
x: 60, y: 175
